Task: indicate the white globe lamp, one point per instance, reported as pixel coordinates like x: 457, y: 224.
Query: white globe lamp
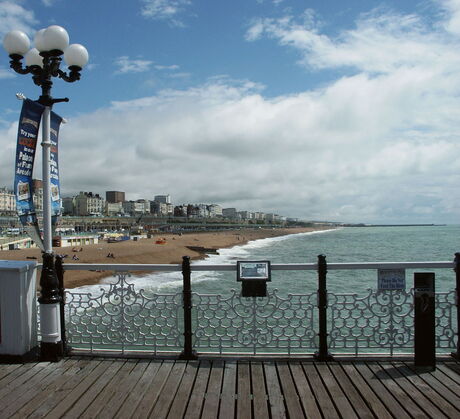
x: 76, y: 55
x: 54, y: 38
x: 16, y: 42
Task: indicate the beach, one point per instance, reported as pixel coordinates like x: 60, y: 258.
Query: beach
x: 147, y: 251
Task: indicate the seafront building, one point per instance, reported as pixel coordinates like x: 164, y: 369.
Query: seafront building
x: 7, y: 202
x: 114, y: 196
x: 89, y: 204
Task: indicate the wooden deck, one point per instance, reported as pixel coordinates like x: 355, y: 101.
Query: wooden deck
x: 125, y: 388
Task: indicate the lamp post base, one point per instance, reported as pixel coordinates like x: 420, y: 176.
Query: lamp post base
x: 51, y: 351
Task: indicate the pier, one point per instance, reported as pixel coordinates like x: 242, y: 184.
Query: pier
x: 104, y: 387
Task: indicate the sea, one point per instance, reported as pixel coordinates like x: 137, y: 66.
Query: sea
x: 348, y: 244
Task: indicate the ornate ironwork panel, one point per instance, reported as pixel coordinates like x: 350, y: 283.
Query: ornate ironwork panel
x: 255, y: 325
x: 123, y: 319
x: 384, y: 320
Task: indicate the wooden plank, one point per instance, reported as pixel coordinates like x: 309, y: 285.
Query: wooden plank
x: 109, y: 390
x: 243, y: 397
x: 212, y: 398
x: 17, y: 374
x: 359, y: 405
x: 62, y: 387
x: 138, y: 392
x: 259, y: 392
x: 131, y: 380
x: 9, y: 392
x: 397, y: 386
x: 338, y: 397
x: 446, y: 381
x: 454, y: 366
x: 77, y: 392
x: 293, y: 406
x: 366, y: 392
x: 45, y: 391
x: 8, y: 368
x: 275, y: 396
x: 441, y: 386
x: 111, y: 368
x: 33, y: 388
x: 448, y: 372
x: 183, y: 394
x: 446, y: 408
x: 304, y: 390
x: 199, y: 389
x: 150, y: 397
x: 416, y: 394
x: 321, y: 395
x: 169, y: 390
x: 381, y: 391
x: 228, y: 398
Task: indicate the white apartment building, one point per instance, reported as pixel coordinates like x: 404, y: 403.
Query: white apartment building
x: 7, y: 202
x: 87, y: 203
x: 246, y: 215
x: 113, y: 208
x: 144, y: 204
x: 165, y: 199
x: 215, y: 210
x: 259, y: 216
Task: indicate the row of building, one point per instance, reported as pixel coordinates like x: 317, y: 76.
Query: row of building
x: 115, y: 204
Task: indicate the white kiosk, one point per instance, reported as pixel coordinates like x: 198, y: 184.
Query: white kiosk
x: 18, y: 311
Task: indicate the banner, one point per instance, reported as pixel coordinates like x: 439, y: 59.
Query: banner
x: 29, y: 123
x: 54, y: 170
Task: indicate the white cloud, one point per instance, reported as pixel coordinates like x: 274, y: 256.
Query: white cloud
x: 378, y: 144
x: 167, y: 67
x: 167, y: 10
x: 380, y: 42
x: 452, y: 22
x: 127, y: 65
x: 14, y: 16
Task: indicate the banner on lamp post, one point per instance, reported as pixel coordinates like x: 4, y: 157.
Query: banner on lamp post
x: 55, y: 124
x: 29, y: 123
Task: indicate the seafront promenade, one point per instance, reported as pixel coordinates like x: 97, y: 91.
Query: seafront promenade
x: 219, y: 388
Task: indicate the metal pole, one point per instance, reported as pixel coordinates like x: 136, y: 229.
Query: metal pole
x: 457, y: 301
x: 188, y: 352
x: 323, y: 353
x: 59, y: 266
x: 51, y: 344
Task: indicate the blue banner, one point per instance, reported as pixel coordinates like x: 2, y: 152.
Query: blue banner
x: 54, y: 169
x: 29, y: 123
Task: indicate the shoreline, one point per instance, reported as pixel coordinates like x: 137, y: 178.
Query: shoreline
x: 197, y: 245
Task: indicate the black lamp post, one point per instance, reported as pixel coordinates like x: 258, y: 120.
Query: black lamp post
x: 43, y: 62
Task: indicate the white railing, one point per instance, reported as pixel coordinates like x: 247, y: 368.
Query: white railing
x: 123, y: 319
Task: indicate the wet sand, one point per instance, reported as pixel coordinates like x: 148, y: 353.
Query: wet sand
x: 146, y: 251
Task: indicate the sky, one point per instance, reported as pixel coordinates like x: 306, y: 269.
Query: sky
x: 318, y: 109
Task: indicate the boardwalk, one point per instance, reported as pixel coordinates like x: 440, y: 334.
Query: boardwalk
x: 125, y: 388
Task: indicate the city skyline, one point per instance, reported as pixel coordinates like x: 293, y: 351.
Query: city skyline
x: 345, y: 111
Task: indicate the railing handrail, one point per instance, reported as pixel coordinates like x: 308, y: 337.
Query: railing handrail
x: 276, y: 266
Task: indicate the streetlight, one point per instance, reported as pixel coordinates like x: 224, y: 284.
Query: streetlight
x: 43, y: 63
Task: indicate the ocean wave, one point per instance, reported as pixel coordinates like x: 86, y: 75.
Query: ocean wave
x: 169, y: 282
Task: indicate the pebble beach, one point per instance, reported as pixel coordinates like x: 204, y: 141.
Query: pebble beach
x: 147, y: 251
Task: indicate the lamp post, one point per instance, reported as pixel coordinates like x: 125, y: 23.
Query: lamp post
x: 43, y: 62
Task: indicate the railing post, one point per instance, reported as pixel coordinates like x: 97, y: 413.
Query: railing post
x: 188, y: 352
x: 457, y: 301
x: 59, y: 268
x: 323, y: 353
